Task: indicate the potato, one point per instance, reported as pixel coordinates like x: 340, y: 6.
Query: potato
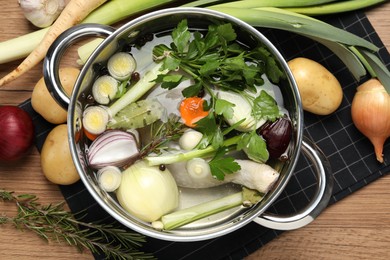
x: 320, y: 91
x: 45, y: 105
x: 56, y: 161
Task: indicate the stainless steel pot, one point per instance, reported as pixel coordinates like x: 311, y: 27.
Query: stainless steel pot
x: 223, y: 223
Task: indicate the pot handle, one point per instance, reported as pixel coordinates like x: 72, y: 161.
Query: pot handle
x: 54, y: 54
x: 319, y: 201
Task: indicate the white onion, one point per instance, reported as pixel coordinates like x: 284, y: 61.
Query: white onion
x: 113, y: 147
x: 147, y: 192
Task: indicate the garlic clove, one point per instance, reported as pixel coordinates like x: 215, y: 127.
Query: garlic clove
x: 42, y: 13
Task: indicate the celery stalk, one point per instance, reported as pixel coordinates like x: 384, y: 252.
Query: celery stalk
x: 188, y: 215
x: 139, y: 89
x: 247, y: 198
x: 180, y: 157
x: 109, y: 13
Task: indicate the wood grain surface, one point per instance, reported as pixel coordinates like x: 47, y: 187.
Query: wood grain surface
x: 358, y: 227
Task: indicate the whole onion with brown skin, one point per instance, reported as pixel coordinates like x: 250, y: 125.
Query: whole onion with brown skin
x: 16, y: 133
x: 277, y: 135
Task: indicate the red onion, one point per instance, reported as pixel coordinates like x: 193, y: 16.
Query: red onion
x: 113, y: 148
x: 277, y: 135
x: 16, y: 133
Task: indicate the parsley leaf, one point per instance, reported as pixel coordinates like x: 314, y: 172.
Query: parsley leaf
x: 254, y: 146
x: 224, y: 107
x: 265, y: 107
x: 208, y: 127
x: 181, y: 36
x: 221, y: 165
x: 170, y: 81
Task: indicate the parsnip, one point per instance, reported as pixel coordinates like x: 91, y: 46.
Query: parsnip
x: 74, y: 12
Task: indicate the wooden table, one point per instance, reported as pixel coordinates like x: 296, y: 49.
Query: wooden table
x: 357, y: 227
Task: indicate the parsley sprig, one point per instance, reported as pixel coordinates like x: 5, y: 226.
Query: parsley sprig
x: 215, y: 61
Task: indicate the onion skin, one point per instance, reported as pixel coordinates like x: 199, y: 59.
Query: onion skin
x: 370, y: 112
x: 277, y: 135
x: 16, y: 133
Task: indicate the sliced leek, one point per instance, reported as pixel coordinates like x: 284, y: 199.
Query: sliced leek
x: 121, y: 65
x: 104, y: 89
x: 109, y: 178
x: 95, y: 119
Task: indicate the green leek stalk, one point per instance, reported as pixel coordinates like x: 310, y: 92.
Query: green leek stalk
x: 333, y: 8
x: 109, y: 13
x: 276, y: 18
x: 347, y: 46
x: 307, y: 7
x: 261, y: 3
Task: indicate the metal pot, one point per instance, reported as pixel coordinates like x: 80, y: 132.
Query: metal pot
x: 223, y: 223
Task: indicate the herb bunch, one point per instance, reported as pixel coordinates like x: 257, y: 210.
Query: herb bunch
x: 216, y: 61
x: 53, y: 223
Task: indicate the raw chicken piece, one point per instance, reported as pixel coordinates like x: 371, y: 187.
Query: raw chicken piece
x: 252, y: 175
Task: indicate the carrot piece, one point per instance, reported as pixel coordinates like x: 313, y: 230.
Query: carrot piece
x: 74, y: 12
x: 89, y: 135
x: 191, y: 110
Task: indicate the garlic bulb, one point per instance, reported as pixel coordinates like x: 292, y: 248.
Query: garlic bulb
x: 42, y: 13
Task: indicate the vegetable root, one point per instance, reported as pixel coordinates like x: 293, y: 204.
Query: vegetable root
x: 256, y: 176
x: 74, y: 12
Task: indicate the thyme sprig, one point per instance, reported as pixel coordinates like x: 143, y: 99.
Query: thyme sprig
x: 53, y: 223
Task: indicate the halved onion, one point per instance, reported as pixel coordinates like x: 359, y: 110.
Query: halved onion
x: 113, y: 148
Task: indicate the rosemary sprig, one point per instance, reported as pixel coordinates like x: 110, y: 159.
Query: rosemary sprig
x: 53, y: 223
x: 161, y: 134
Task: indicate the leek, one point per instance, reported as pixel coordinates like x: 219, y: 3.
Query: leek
x: 382, y: 73
x: 272, y: 3
x: 276, y: 18
x: 109, y: 13
x: 339, y: 7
